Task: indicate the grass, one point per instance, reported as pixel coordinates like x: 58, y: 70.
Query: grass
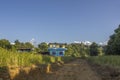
x: 9, y: 58
x: 67, y: 58
x: 106, y: 60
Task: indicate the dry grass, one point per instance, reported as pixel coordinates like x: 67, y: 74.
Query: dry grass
x: 8, y: 58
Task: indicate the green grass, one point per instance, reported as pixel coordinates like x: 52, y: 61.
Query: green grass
x: 67, y: 58
x: 9, y: 58
x: 106, y: 60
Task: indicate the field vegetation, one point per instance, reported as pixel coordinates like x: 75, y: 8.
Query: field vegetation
x: 9, y: 58
x: 113, y: 61
x: 111, y: 50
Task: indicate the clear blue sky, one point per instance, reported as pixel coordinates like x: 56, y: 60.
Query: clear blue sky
x: 58, y: 20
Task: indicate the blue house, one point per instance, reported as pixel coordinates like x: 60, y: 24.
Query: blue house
x: 57, y: 49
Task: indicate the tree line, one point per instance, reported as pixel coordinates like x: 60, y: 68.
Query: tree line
x: 73, y: 49
x: 81, y: 49
x: 113, y: 47
x: 4, y: 43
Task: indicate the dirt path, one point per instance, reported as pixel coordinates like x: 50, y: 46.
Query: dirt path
x: 79, y: 69
x: 75, y: 70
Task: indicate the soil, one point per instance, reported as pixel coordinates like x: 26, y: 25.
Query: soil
x: 82, y: 69
x: 75, y: 70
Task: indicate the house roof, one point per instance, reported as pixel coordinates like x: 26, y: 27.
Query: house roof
x: 57, y: 43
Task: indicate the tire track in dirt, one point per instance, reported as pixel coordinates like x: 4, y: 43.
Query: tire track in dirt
x: 75, y: 70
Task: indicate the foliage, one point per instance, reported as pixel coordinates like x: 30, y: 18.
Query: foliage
x: 5, y: 44
x: 43, y: 47
x: 69, y: 50
x: 113, y: 47
x: 10, y: 58
x: 19, y: 44
x: 77, y: 50
x: 94, y: 49
x: 106, y: 60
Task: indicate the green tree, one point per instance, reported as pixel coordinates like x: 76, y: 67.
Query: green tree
x: 69, y: 50
x: 43, y: 47
x: 94, y: 49
x: 83, y: 50
x: 113, y: 47
x: 77, y: 50
x: 5, y: 44
x: 19, y: 44
x: 100, y: 51
x: 28, y: 45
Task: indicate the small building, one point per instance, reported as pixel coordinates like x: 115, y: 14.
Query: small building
x: 57, y: 49
x: 24, y: 49
x: 44, y: 53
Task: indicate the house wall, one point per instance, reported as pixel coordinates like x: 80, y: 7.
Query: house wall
x: 57, y: 46
x: 57, y: 52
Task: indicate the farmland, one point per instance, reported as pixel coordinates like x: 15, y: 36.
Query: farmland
x: 11, y: 58
x: 24, y: 61
x: 65, y: 67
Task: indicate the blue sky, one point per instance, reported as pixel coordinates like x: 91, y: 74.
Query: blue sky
x: 58, y: 20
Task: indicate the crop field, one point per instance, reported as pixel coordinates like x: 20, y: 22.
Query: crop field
x: 8, y: 58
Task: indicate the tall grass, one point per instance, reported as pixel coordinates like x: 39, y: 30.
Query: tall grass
x: 9, y: 58
x: 67, y: 58
x: 106, y: 60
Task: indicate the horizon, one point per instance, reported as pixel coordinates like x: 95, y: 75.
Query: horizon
x: 59, y: 21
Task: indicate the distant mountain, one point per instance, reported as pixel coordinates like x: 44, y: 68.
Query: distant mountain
x: 89, y: 43
x: 84, y: 42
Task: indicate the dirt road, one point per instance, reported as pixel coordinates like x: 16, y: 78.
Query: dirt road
x: 75, y: 70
